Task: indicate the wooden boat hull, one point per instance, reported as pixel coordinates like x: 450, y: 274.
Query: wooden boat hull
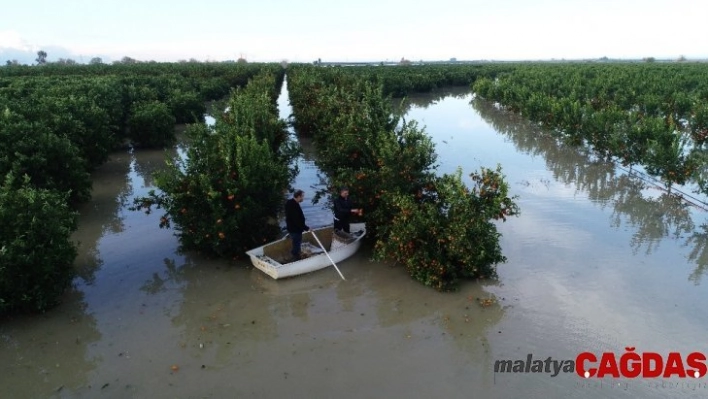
x: 273, y: 258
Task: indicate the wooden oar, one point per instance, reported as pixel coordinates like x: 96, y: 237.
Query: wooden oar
x: 325, y: 251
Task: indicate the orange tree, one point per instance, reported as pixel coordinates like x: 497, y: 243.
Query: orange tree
x: 306, y: 90
x: 71, y: 114
x: 446, y: 233
x: 151, y: 124
x: 255, y: 110
x: 224, y: 197
x: 400, y: 160
x: 50, y: 159
x: 361, y: 144
x: 36, y: 251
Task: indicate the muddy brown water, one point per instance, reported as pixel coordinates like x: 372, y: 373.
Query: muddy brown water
x: 597, y: 261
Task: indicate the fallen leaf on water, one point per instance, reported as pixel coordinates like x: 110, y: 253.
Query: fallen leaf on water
x: 487, y: 302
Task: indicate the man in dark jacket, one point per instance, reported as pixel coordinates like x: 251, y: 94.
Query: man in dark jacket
x: 295, y: 222
x: 343, y: 210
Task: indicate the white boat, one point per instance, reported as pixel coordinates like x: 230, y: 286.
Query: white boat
x: 275, y: 259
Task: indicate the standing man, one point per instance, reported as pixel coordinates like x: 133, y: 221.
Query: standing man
x: 295, y: 222
x: 343, y: 210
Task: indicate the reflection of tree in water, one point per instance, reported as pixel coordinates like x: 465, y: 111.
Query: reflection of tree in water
x: 665, y: 216
x: 112, y: 189
x: 401, y: 106
x: 101, y: 215
x: 157, y: 284
x: 308, y: 149
x: 699, y: 254
x: 655, y: 218
x: 44, y: 355
x: 147, y: 162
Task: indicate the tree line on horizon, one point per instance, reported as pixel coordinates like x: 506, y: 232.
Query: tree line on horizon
x: 42, y: 60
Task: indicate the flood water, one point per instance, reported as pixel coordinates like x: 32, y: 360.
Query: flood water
x: 597, y: 261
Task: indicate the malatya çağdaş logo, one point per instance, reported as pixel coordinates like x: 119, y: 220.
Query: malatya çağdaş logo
x: 629, y: 364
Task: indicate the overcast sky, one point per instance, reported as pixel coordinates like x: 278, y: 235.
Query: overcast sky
x: 356, y: 30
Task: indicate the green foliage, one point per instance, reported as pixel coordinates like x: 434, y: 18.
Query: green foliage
x: 214, y: 88
x: 51, y: 162
x: 80, y: 120
x: 36, y: 254
x: 137, y: 92
x: 106, y: 92
x: 76, y: 113
x: 403, y: 80
x: 395, y: 161
x: 186, y: 106
x: 446, y: 233
x: 151, y: 124
x: 699, y: 125
x: 667, y: 157
x: 225, y: 197
x: 361, y: 144
x: 252, y: 110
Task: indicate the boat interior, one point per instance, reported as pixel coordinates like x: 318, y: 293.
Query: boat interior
x: 280, y: 250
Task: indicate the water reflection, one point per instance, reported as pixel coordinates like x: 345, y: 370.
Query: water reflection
x: 655, y: 219
x: 654, y: 214
x: 102, y: 215
x: 308, y: 149
x: 115, y: 183
x: 424, y: 100
x: 699, y: 252
x: 146, y: 166
x: 158, y: 284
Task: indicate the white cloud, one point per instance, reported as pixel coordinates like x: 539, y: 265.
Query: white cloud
x: 11, y: 39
